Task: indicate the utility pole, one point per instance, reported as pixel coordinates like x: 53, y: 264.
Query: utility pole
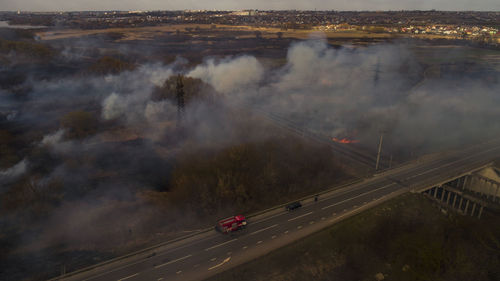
x: 379, y: 150
x: 180, y: 101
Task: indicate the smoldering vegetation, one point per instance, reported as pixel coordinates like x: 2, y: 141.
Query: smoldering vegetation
x: 94, y: 163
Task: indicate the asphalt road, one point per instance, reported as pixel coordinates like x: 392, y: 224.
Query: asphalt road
x: 208, y: 253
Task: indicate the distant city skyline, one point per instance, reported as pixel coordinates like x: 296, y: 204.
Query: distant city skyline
x: 341, y: 5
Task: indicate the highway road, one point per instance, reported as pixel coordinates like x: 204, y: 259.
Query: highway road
x: 208, y: 253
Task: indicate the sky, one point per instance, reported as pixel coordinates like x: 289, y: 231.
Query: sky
x: 79, y: 5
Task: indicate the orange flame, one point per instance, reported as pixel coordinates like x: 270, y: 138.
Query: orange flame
x: 344, y: 140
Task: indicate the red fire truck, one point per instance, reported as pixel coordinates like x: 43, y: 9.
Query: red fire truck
x: 231, y: 224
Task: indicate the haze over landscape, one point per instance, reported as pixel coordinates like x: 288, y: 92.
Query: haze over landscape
x: 341, y: 5
x: 341, y: 140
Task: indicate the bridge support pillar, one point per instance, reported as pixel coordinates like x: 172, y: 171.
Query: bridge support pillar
x: 435, y: 191
x: 466, y: 206
x: 480, y: 212
x: 460, y: 204
x: 473, y: 208
x: 448, y: 198
x: 455, y: 200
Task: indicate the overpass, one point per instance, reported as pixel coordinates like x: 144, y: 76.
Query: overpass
x: 468, y: 193
x: 206, y: 253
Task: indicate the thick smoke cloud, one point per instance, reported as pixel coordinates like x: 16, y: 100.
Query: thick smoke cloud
x: 363, y: 92
x: 230, y: 75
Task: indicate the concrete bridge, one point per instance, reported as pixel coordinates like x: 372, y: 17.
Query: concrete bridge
x: 469, y: 193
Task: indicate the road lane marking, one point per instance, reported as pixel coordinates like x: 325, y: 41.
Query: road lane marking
x: 245, y: 247
x: 286, y: 232
x: 349, y: 199
x: 323, y: 218
x: 345, y: 210
x: 170, y: 262
x: 159, y: 279
x: 311, y: 222
x: 264, y: 229
x: 221, y: 244
x: 355, y: 206
x: 213, y: 259
x: 299, y: 227
x: 133, y: 275
x: 268, y: 218
x: 229, y: 253
x: 223, y: 262
x: 258, y: 242
x: 274, y: 236
x: 301, y: 216
x: 179, y: 272
x: 334, y: 214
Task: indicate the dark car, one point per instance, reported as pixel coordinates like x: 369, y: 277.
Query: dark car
x: 293, y: 206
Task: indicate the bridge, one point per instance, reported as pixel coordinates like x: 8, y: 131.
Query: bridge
x: 463, y: 179
x: 469, y: 193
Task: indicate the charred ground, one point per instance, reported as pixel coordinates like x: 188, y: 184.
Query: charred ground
x: 91, y: 152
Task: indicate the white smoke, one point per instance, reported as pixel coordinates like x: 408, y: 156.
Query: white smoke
x: 14, y: 171
x: 230, y: 74
x: 53, y: 139
x: 158, y: 111
x: 113, y: 106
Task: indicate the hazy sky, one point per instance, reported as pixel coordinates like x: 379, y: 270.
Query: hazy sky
x: 58, y: 5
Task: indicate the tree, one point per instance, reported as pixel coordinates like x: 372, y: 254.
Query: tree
x: 193, y: 88
x: 79, y: 124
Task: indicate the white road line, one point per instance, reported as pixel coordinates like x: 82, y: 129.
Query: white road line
x: 159, y: 279
x: 245, y: 247
x: 229, y: 253
x: 323, y: 218
x: 286, y: 232
x: 363, y: 194
x: 170, y: 262
x: 274, y: 236
x: 268, y: 218
x: 258, y: 242
x: 223, y: 262
x: 221, y: 244
x: 300, y: 216
x: 334, y: 214
x: 133, y: 275
x: 179, y: 272
x: 264, y: 229
x: 213, y: 259
x: 299, y: 227
x: 345, y: 210
x: 355, y: 206
x: 311, y: 222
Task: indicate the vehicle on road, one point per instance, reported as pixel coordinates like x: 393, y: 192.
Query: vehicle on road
x: 293, y: 206
x: 231, y: 224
